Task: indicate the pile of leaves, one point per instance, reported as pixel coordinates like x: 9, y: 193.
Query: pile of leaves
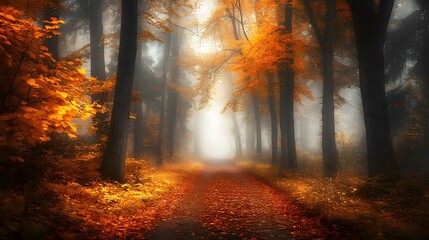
x: 376, y: 208
x: 70, y: 201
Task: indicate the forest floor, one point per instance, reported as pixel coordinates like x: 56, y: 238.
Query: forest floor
x: 377, y: 208
x: 59, y: 195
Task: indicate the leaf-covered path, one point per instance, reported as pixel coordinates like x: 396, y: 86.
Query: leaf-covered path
x: 225, y: 203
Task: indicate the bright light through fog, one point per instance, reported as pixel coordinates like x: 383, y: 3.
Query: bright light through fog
x: 204, y: 10
x: 217, y: 141
x: 204, y: 46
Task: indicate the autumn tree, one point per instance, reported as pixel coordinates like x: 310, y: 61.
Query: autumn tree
x: 113, y: 163
x: 38, y: 94
x: 371, y: 19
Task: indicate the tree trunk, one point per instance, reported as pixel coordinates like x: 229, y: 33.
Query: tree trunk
x: 173, y: 95
x: 258, y: 127
x: 166, y: 58
x: 197, y: 137
x: 370, y: 30
x: 250, y: 129
x: 138, y: 131
x: 287, y: 87
x: 98, y: 63
x: 237, y: 136
x: 325, y: 39
x: 273, y: 117
x: 329, y: 147
x: 138, y: 149
x: 113, y: 162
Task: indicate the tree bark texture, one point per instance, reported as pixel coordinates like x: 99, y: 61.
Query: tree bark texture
x: 113, y: 162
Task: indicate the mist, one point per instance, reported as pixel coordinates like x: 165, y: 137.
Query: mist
x: 224, y: 119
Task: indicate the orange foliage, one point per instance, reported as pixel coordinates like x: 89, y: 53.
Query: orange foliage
x: 259, y: 47
x: 38, y: 95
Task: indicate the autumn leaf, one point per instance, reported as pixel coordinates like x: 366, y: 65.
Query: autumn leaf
x: 62, y: 94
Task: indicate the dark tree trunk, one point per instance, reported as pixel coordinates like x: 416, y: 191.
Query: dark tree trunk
x: 370, y: 26
x: 52, y: 10
x: 287, y: 86
x: 237, y: 136
x: 173, y: 95
x: 98, y: 63
x: 273, y: 117
x: 329, y: 147
x: 258, y: 127
x: 325, y: 39
x: 113, y: 163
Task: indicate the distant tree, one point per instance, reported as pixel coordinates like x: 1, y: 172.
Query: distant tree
x: 113, y: 162
x: 173, y: 91
x: 164, y: 79
x: 371, y: 19
x: 237, y: 137
x: 95, y: 15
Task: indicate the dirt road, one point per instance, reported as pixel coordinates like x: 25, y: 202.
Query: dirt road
x: 226, y: 203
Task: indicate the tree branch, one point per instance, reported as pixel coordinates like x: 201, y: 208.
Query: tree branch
x: 313, y: 21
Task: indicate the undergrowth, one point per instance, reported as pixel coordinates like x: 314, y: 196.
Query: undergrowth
x: 68, y: 200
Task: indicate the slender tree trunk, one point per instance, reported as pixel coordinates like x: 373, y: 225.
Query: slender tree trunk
x: 250, y: 129
x: 237, y: 136
x: 113, y: 162
x: 173, y: 95
x: 273, y: 117
x: 166, y: 58
x: 138, y: 131
x: 329, y: 147
x: 370, y: 31
x: 138, y: 86
x: 98, y: 63
x: 258, y: 127
x: 138, y: 149
x: 197, y: 137
x: 287, y: 87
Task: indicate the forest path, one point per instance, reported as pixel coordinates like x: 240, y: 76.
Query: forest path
x: 226, y: 203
